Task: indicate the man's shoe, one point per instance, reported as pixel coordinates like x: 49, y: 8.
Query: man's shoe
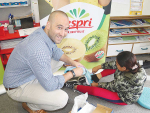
x: 72, y: 83
x: 24, y: 105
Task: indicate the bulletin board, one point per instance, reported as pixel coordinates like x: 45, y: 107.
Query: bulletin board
x: 136, y: 7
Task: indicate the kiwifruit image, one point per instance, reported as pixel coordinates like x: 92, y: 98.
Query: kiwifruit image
x: 95, y: 43
x: 73, y: 48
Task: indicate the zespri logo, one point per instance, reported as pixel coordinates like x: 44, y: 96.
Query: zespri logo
x: 78, y: 19
x: 84, y: 18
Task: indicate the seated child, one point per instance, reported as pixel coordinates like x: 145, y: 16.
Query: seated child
x: 127, y: 86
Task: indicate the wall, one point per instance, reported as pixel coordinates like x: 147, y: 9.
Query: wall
x: 122, y: 8
x: 16, y: 11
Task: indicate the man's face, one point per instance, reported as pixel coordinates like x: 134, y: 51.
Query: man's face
x: 58, y: 28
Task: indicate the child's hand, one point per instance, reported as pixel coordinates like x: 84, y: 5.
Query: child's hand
x: 95, y: 69
x: 94, y: 84
x: 103, y: 2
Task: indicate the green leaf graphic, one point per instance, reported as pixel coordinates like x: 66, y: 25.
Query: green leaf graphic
x: 69, y: 15
x: 82, y: 12
x: 79, y: 10
x: 75, y: 12
x: 86, y: 15
x: 71, y: 12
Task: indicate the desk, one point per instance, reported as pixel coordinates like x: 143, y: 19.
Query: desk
x: 5, y: 53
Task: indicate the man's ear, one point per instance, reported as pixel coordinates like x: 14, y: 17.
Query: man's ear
x: 48, y: 25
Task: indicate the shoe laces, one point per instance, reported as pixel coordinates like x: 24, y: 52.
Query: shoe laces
x: 71, y: 85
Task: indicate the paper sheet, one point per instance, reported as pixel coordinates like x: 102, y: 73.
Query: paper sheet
x: 2, y: 89
x: 28, y: 31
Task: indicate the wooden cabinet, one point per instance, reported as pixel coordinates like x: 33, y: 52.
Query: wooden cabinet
x: 115, y: 49
x: 129, y: 33
x: 139, y: 48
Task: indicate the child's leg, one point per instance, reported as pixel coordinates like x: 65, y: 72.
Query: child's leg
x: 101, y: 93
x: 106, y: 72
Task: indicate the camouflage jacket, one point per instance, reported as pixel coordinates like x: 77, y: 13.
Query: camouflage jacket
x: 127, y: 85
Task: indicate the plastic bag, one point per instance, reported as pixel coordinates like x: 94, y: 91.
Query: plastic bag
x: 81, y: 105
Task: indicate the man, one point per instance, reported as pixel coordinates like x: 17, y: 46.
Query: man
x: 28, y: 76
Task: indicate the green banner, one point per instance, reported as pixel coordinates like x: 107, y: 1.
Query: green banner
x: 1, y: 72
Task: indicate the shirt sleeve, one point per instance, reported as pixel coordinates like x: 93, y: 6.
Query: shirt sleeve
x: 111, y: 86
x: 57, y: 53
x: 40, y: 64
x: 109, y: 65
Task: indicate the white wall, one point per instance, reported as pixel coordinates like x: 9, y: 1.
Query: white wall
x: 122, y: 8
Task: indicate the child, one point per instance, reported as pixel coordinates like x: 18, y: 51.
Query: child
x: 127, y: 86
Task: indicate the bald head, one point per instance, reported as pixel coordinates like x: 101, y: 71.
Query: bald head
x: 57, y: 26
x: 55, y: 14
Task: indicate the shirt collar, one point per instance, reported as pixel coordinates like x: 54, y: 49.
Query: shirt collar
x: 129, y: 75
x: 48, y: 41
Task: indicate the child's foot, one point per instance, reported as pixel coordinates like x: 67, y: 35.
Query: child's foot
x: 82, y: 80
x: 95, y: 78
x: 72, y: 83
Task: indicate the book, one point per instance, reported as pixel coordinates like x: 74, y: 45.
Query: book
x: 129, y: 38
x: 136, y: 31
x: 122, y: 22
x: 143, y: 38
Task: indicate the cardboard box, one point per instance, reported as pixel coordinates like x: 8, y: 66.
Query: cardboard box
x: 101, y: 109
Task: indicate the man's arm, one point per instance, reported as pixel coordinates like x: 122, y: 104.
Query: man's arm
x: 78, y: 71
x: 69, y: 61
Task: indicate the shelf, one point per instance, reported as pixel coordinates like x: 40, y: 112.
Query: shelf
x: 6, y: 51
x: 136, y: 26
x: 11, y: 36
x: 129, y: 17
x: 5, y: 58
x: 127, y: 35
x: 130, y: 22
x: 125, y: 31
x: 15, y: 35
x: 127, y: 42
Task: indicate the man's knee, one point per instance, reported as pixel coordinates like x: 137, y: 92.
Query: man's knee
x: 63, y: 99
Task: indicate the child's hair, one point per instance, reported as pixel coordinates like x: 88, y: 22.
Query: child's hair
x: 128, y: 59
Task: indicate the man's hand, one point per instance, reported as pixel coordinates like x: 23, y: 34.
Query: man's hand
x: 78, y: 72
x: 76, y: 64
x: 69, y: 61
x: 103, y: 2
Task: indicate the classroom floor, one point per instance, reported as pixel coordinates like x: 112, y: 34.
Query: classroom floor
x: 10, y: 106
